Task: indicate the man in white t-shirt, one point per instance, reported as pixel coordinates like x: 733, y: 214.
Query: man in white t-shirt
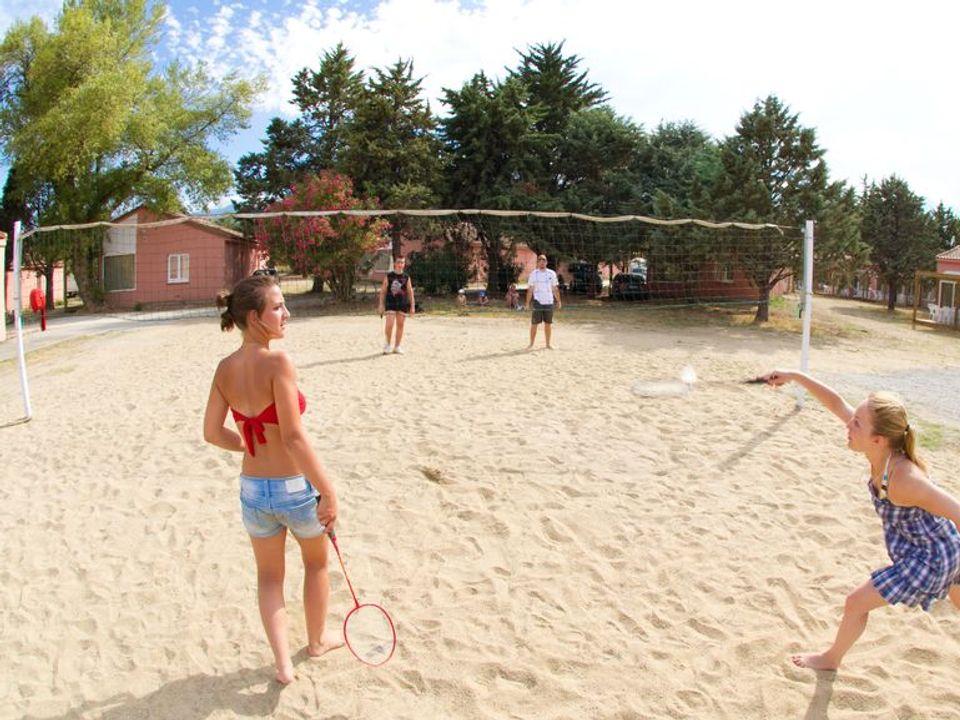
x: 543, y: 289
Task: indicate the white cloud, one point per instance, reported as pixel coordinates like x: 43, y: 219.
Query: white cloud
x: 876, y: 79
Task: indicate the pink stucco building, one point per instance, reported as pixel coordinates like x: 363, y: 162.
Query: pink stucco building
x: 145, y: 263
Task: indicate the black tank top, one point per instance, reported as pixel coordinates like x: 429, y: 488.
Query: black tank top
x: 397, y: 285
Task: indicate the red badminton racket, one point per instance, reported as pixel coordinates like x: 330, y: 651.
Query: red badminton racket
x: 368, y: 629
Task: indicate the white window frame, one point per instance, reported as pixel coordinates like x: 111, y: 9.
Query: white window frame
x: 182, y: 273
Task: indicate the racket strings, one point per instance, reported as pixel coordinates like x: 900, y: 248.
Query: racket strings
x: 370, y: 634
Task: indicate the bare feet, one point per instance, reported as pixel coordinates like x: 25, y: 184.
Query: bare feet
x: 814, y: 662
x: 549, y: 347
x: 285, y: 674
x: 328, y: 642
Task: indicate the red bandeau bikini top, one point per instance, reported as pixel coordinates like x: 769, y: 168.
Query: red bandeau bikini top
x: 253, y: 427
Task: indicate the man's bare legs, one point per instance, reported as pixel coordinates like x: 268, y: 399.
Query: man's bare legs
x: 855, y: 613
x: 547, y: 331
x: 533, y: 335
x: 273, y: 612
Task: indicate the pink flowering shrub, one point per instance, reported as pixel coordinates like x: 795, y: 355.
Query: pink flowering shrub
x: 330, y: 247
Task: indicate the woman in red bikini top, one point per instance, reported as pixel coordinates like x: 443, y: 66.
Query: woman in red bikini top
x: 281, y: 474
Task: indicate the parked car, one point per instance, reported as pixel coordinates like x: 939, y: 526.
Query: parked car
x: 580, y: 278
x: 629, y: 286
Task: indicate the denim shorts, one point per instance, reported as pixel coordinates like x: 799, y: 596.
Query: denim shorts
x: 271, y: 504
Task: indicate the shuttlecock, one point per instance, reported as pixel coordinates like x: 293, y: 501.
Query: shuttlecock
x: 688, y: 376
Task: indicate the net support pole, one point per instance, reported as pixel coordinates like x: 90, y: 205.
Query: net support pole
x: 18, y: 321
x: 3, y: 288
x: 806, y: 305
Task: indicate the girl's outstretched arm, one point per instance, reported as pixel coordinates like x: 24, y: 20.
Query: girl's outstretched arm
x: 827, y: 396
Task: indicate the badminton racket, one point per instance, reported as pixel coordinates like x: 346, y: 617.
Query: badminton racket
x: 368, y: 629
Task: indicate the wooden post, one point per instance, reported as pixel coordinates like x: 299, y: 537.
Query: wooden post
x: 916, y: 297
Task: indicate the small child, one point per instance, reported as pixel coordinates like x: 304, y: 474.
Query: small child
x: 482, y: 298
x: 512, y: 298
x: 461, y: 299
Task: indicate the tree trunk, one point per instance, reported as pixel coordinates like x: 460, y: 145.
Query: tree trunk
x: 891, y: 296
x: 396, y: 240
x: 86, y: 271
x: 763, y: 305
x: 51, y: 290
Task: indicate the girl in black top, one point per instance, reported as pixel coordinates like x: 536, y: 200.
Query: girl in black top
x: 397, y: 301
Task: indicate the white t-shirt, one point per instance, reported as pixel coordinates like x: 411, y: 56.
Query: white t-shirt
x: 543, y: 282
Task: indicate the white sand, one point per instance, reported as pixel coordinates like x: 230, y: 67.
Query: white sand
x: 576, y: 551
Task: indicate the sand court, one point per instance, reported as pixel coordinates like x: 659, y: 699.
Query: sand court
x: 549, y: 544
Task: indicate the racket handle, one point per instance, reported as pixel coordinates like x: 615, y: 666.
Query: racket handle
x: 330, y: 532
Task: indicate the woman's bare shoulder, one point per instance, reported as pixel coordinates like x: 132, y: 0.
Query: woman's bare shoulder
x: 908, y: 482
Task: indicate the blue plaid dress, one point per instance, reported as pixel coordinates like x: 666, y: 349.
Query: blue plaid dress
x: 925, y: 550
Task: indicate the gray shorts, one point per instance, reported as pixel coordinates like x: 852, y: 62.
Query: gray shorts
x: 541, y: 313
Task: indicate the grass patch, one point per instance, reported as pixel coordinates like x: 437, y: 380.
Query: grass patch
x: 932, y: 436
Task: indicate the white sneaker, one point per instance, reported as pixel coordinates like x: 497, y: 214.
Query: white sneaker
x: 387, y: 349
x: 398, y: 350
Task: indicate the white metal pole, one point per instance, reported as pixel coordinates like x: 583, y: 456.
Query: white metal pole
x: 18, y: 322
x: 806, y: 304
x: 3, y: 288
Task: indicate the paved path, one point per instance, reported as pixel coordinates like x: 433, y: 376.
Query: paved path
x: 66, y: 327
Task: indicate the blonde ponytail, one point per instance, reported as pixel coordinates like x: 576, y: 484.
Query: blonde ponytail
x: 890, y: 421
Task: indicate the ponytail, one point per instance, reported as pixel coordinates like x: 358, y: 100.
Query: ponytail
x: 910, y: 448
x: 227, y: 322
x: 248, y: 294
x: 890, y: 421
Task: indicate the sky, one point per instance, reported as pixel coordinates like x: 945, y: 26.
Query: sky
x: 876, y: 80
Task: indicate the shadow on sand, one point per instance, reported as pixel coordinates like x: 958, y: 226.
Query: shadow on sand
x: 757, y: 440
x: 820, y: 702
x: 246, y: 693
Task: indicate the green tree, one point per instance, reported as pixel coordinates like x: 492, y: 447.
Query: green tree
x: 676, y: 166
x: 947, y: 226
x: 265, y: 177
x: 84, y: 112
x: 773, y: 171
x: 596, y: 162
x: 901, y: 234
x: 327, y: 99
x: 489, y: 141
x: 393, y: 152
x: 558, y: 89
x: 840, y: 254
